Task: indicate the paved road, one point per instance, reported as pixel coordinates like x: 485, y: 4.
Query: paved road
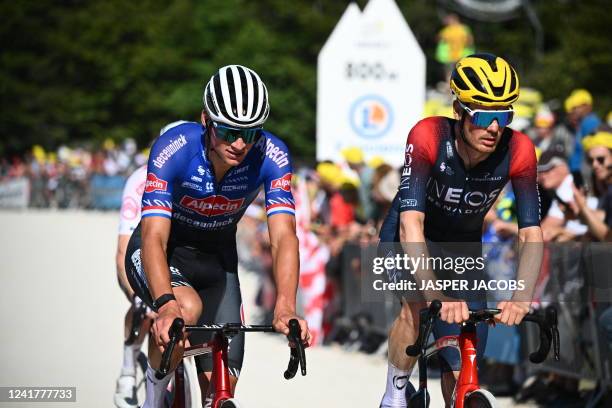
x: 61, y: 312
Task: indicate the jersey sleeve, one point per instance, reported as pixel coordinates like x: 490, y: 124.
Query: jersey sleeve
x: 420, y: 156
x: 169, y: 152
x: 277, y: 179
x: 523, y: 175
x: 129, y: 214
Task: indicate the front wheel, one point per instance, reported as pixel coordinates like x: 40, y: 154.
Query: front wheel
x: 229, y: 403
x: 480, y: 399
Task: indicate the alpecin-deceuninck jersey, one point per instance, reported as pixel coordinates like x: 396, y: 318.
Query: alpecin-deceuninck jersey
x: 181, y: 184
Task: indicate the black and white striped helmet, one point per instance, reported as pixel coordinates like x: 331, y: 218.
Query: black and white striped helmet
x: 236, y: 96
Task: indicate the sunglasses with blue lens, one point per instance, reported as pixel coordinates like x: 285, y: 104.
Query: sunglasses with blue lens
x: 484, y: 118
x: 231, y: 134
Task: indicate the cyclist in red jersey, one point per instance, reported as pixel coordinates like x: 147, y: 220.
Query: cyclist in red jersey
x: 454, y: 170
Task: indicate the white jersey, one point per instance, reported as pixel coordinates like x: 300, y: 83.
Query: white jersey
x: 129, y: 215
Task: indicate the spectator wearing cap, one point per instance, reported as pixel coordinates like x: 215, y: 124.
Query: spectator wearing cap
x: 546, y: 135
x: 355, y: 160
x: 579, y: 107
x: 598, y: 150
x: 554, y: 176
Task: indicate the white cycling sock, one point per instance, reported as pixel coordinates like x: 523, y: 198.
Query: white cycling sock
x: 156, y: 389
x: 395, y: 392
x: 129, y: 361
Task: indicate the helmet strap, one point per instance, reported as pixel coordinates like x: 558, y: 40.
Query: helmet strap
x: 465, y: 140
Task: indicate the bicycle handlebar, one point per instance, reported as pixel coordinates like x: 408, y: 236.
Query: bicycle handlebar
x: 297, y: 357
x: 549, y: 333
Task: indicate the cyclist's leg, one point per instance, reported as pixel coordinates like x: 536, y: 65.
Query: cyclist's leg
x: 188, y: 300
x: 404, y: 329
x: 222, y: 304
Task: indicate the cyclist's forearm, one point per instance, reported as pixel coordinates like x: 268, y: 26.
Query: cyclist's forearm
x: 156, y: 266
x: 412, y: 239
x: 531, y: 249
x: 286, y: 271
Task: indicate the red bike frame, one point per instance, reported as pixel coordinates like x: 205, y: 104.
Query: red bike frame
x: 220, y: 373
x: 466, y: 343
x: 218, y: 346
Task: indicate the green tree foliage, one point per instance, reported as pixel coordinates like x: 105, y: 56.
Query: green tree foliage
x: 84, y: 71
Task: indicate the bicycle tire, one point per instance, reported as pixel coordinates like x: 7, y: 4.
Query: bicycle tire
x: 480, y: 399
x: 229, y: 403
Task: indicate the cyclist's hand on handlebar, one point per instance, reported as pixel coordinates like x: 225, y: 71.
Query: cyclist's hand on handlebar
x: 165, y: 316
x: 281, y: 324
x: 512, y: 312
x: 453, y: 311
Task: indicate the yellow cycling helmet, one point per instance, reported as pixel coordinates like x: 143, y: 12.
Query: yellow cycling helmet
x: 486, y: 80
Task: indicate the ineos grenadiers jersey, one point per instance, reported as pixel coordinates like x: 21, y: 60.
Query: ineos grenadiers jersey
x: 181, y: 184
x: 454, y: 199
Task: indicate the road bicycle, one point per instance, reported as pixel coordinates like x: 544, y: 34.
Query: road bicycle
x: 218, y: 346
x: 467, y: 392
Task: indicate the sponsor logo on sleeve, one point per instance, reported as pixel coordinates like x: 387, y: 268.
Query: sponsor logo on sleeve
x: 283, y: 183
x: 278, y: 156
x: 212, y: 206
x: 155, y: 184
x: 169, y: 151
x: 407, y: 170
x: 408, y: 202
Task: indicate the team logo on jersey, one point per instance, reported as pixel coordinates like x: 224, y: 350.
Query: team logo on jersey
x: 212, y: 206
x: 446, y: 169
x: 371, y: 116
x: 283, y: 183
x: 201, y: 171
x: 169, y: 151
x: 155, y: 184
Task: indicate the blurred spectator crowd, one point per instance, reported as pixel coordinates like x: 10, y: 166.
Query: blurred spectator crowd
x: 62, y: 178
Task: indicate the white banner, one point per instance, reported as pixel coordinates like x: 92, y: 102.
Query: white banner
x: 15, y: 193
x: 370, y: 84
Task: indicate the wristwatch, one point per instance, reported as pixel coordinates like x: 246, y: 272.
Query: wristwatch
x: 162, y: 300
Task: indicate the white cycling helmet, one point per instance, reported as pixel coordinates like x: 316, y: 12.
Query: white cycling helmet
x: 237, y: 97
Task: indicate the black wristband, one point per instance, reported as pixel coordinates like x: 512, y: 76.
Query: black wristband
x: 162, y: 300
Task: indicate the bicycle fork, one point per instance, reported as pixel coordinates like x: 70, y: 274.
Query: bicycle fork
x: 220, y: 382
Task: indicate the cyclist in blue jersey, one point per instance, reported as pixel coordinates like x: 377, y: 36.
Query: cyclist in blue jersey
x: 454, y: 170
x: 201, y: 177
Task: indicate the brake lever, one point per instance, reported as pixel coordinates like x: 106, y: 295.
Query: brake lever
x: 297, y: 357
x: 175, y: 333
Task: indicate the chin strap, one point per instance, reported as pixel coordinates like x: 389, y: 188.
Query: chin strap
x: 467, y: 143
